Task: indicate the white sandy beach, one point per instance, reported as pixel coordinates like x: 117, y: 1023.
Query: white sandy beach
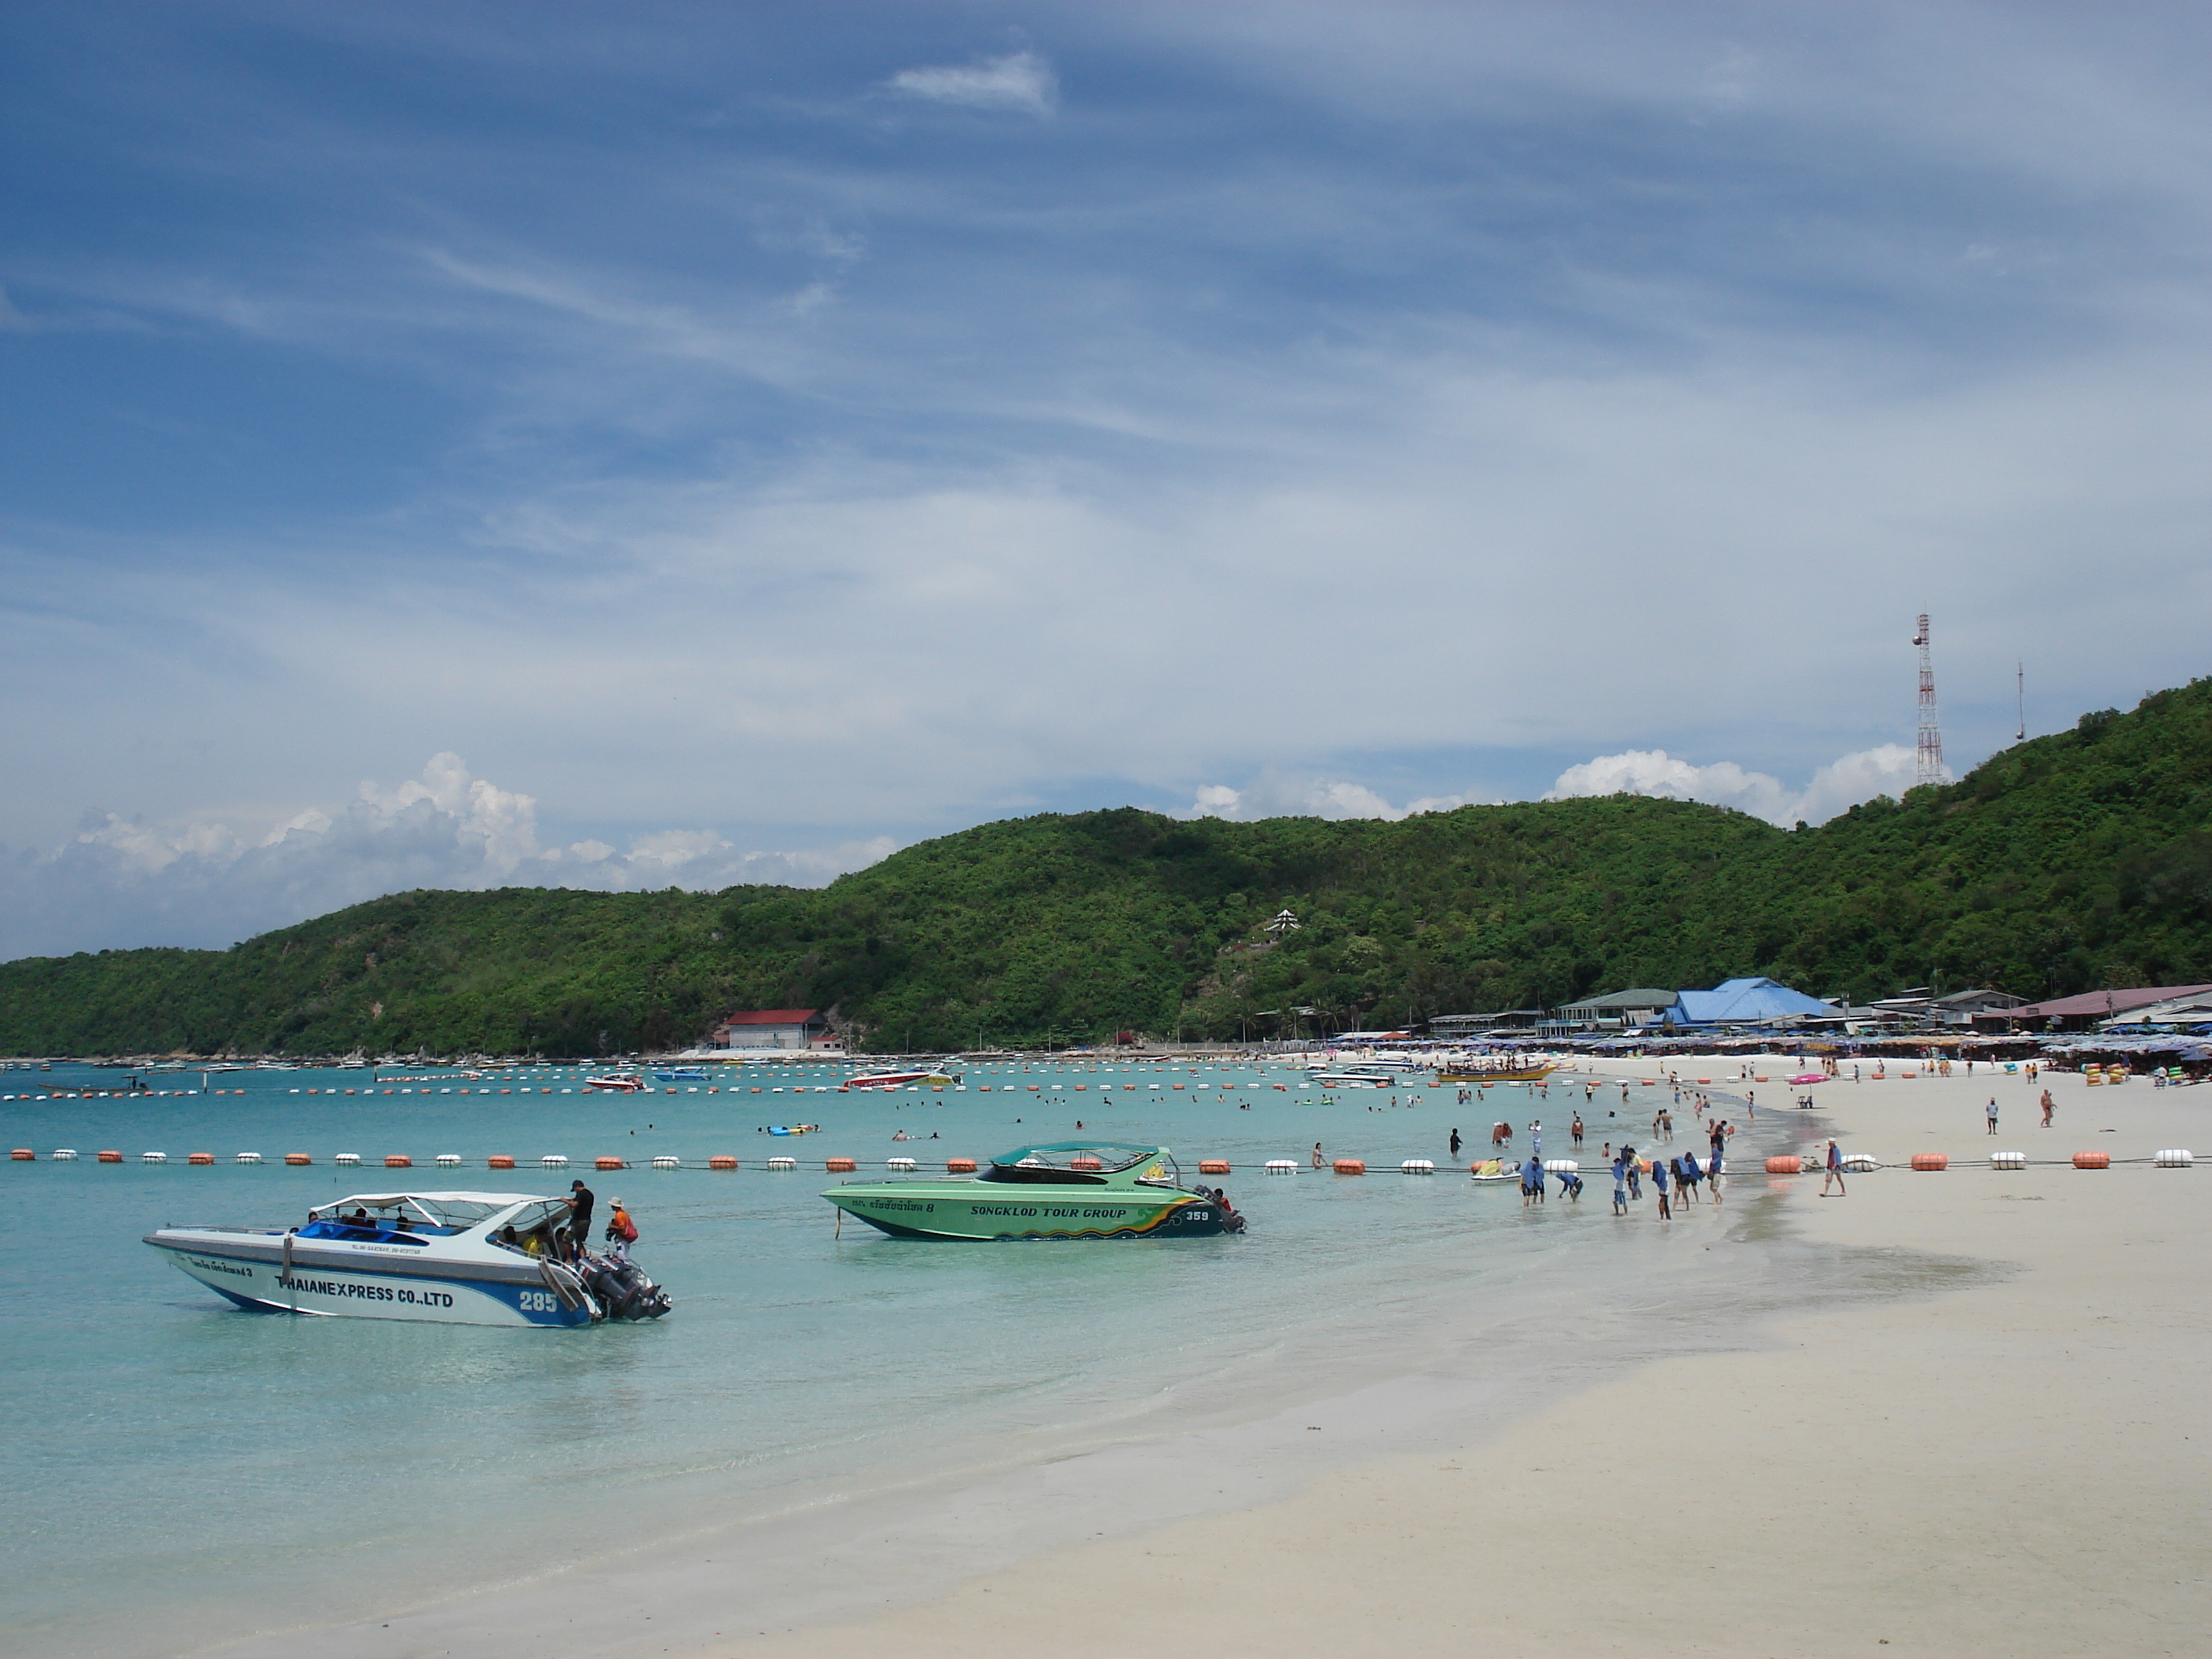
x: 2012, y: 1461
x: 1999, y: 1440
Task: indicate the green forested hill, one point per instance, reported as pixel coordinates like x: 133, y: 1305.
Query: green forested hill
x: 2064, y: 864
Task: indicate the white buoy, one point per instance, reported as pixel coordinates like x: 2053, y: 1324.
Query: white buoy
x: 783, y: 1164
x: 553, y: 1161
x: 1860, y: 1164
x: 65, y: 1155
x: 1418, y: 1166
x: 153, y: 1158
x: 663, y: 1161
x: 249, y: 1158
x: 449, y: 1160
x: 2007, y: 1160
x: 346, y: 1159
x: 1282, y: 1166
x: 905, y: 1164
x: 2172, y: 1157
x: 1562, y: 1166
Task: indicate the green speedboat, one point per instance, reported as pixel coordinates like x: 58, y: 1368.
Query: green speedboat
x: 1068, y: 1189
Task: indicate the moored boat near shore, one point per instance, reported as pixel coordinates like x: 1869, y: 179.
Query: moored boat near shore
x: 1062, y: 1190
x: 456, y: 1258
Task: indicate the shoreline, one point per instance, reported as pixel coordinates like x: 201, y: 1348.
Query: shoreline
x: 1674, y: 1402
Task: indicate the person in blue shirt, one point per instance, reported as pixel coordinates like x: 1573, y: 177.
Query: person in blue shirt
x: 1620, y: 1186
x: 1532, y: 1182
x: 1659, y: 1187
x: 1692, y: 1174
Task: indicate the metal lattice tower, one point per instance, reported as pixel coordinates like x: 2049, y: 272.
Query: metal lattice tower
x: 1930, y: 769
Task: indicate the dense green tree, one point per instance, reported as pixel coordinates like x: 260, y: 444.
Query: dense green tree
x: 2073, y: 861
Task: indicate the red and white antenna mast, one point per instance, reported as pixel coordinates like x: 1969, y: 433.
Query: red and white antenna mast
x: 1931, y: 768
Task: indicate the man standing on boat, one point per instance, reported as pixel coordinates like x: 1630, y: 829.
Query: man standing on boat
x: 580, y: 1200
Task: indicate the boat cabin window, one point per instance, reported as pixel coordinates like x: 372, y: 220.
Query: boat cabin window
x: 531, y: 1228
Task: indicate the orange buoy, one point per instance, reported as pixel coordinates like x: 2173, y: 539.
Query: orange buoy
x: 1758, y: 1079
x: 201, y: 1159
x: 499, y: 1161
x: 398, y: 1161
x: 22, y: 1155
x: 1084, y: 1163
x: 111, y: 1157
x: 2093, y: 1160
x: 1706, y: 1080
x: 1174, y: 1085
x: 1791, y: 1165
x: 1932, y: 1161
x: 1213, y: 1166
x: 960, y: 1166
x: 297, y: 1159
x: 1350, y: 1166
x: 721, y: 1161
x: 840, y: 1166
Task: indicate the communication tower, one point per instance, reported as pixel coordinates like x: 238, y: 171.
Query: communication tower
x: 1930, y: 769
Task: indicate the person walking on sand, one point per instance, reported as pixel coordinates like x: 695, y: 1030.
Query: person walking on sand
x: 1991, y: 1110
x: 1834, y: 1171
x: 2048, y: 1107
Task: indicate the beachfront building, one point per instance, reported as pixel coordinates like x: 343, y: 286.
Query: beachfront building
x: 775, y: 1027
x: 1916, y: 1009
x: 1475, y: 1028
x: 1617, y: 1010
x: 2092, y: 1008
x: 1748, y: 1002
x: 2192, y: 1011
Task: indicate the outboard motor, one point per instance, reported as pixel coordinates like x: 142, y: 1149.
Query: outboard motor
x: 623, y: 1289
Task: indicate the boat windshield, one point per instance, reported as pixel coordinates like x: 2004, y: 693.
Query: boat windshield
x: 533, y: 1229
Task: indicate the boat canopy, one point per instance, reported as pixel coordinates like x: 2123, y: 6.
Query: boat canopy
x: 459, y: 1210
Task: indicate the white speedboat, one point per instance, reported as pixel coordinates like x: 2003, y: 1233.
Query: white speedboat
x: 621, y: 1083
x: 454, y: 1258
x: 1355, y: 1080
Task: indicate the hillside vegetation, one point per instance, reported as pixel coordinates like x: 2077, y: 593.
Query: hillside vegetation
x: 2067, y: 863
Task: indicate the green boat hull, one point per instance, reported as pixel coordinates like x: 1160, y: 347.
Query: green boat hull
x: 1059, y: 1189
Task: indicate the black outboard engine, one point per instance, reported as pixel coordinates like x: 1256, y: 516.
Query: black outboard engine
x: 622, y: 1289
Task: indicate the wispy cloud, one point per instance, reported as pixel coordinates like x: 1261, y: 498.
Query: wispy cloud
x: 124, y: 881
x: 1019, y: 81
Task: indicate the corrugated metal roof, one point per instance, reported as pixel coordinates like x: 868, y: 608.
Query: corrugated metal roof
x: 1643, y: 997
x: 773, y: 1016
x: 2105, y: 1002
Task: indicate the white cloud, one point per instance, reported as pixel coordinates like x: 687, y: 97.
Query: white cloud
x: 122, y: 882
x: 1887, y: 770
x: 1278, y: 796
x: 1021, y: 81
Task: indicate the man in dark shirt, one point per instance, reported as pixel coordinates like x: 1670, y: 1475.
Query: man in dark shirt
x: 579, y: 1214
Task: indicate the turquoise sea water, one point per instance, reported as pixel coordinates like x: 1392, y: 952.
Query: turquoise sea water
x: 167, y: 1450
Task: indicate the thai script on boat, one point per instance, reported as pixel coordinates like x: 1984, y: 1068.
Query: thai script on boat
x: 232, y: 1267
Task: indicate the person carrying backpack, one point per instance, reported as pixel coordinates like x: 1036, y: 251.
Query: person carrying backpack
x: 622, y: 1232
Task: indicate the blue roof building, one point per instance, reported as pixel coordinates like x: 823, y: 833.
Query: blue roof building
x: 1745, y: 1002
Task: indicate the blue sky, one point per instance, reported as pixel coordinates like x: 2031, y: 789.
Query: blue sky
x: 614, y: 445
